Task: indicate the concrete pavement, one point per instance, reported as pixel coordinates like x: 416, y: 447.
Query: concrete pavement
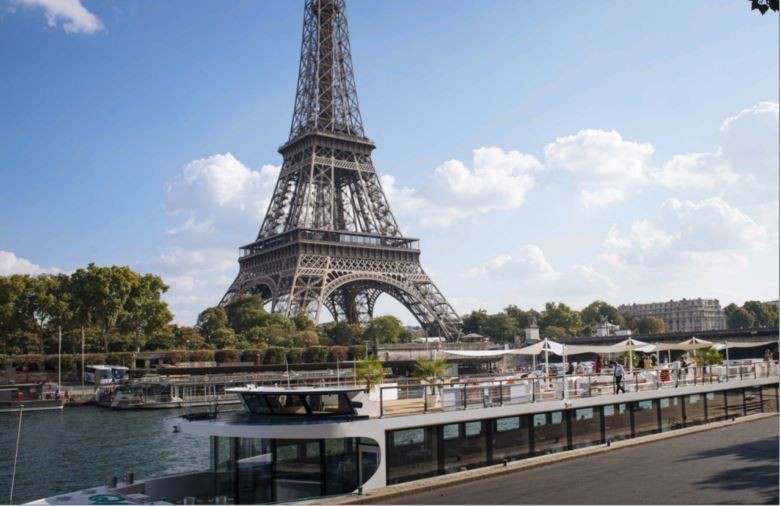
x: 737, y: 464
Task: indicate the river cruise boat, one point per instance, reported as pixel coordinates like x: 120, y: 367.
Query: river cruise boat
x: 294, y: 443
x: 26, y: 396
x: 170, y: 394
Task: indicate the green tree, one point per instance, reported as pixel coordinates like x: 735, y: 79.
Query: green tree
x: 501, y: 327
x: 560, y: 315
x: 650, y: 325
x: 303, y: 322
x: 223, y: 338
x: 741, y: 319
x: 553, y: 332
x: 211, y: 320
x: 370, y: 372
x: 383, y: 329
x: 475, y: 322
x: 245, y: 312
x: 593, y: 312
x: 145, y: 312
x: 101, y: 294
x: 765, y: 314
x: 342, y: 334
x: 521, y: 317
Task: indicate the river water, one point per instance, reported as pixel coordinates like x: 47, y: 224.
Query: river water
x: 79, y: 447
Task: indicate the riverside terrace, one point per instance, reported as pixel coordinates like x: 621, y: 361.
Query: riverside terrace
x: 475, y: 393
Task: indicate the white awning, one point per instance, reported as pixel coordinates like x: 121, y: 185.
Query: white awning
x: 730, y: 344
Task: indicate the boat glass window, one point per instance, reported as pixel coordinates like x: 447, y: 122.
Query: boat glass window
x: 256, y: 404
x: 511, y: 423
x: 408, y: 437
x: 286, y: 404
x: 329, y: 404
x: 473, y: 428
x: 451, y: 431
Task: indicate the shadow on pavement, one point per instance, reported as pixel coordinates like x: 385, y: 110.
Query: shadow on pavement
x: 761, y: 477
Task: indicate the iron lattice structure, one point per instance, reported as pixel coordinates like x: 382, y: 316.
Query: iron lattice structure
x: 329, y: 238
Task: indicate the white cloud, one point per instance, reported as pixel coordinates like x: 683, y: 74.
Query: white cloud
x: 12, y: 264
x: 73, y: 16
x: 642, y: 240
x: 223, y: 203
x: 599, y: 156
x: 713, y: 224
x: 498, y: 181
x: 600, y: 198
x: 696, y: 170
x: 220, y: 196
x: 769, y: 110
x: 527, y: 265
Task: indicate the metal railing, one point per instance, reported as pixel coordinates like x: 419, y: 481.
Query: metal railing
x: 410, y: 399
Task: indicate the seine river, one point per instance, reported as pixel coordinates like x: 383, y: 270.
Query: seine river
x: 80, y: 447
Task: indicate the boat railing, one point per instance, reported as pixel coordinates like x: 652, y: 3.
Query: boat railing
x: 420, y: 398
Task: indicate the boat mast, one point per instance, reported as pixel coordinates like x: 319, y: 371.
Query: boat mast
x: 16, y: 454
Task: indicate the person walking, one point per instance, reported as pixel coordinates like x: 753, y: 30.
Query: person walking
x: 618, y: 372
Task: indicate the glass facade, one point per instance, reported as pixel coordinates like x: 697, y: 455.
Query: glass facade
x: 617, y: 421
x: 716, y: 406
x: 511, y: 438
x: 586, y: 427
x: 645, y: 417
x: 671, y: 413
x: 412, y: 454
x: 735, y: 402
x: 769, y: 398
x: 695, y: 412
x: 550, y: 433
x: 253, y: 471
x: 464, y: 446
x: 753, y: 402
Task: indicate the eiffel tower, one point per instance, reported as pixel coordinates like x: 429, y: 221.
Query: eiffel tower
x: 329, y: 238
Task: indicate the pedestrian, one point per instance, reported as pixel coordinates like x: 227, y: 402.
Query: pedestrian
x: 598, y: 366
x: 618, y: 372
x: 767, y: 355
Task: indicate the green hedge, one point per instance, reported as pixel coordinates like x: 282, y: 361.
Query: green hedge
x: 357, y: 352
x: 315, y: 354
x: 295, y: 356
x: 5, y: 361
x: 176, y: 356
x: 338, y: 353
x: 31, y: 362
x: 124, y: 358
x: 93, y: 359
x: 52, y: 361
x: 251, y: 355
x: 275, y: 355
x: 227, y: 355
x: 202, y: 356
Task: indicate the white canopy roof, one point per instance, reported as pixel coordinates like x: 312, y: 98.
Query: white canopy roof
x: 730, y: 344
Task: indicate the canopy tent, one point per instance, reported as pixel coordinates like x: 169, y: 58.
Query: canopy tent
x: 478, y: 353
x: 727, y: 344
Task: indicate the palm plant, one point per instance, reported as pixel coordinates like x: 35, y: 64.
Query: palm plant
x: 370, y: 372
x: 708, y: 356
x: 430, y: 370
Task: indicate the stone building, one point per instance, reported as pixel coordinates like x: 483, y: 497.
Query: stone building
x: 684, y: 315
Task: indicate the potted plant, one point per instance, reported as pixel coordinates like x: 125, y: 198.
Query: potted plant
x: 430, y: 371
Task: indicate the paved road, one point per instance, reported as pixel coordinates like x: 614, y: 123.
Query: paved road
x: 734, y: 465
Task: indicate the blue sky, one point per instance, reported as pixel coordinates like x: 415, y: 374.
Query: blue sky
x: 540, y: 150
